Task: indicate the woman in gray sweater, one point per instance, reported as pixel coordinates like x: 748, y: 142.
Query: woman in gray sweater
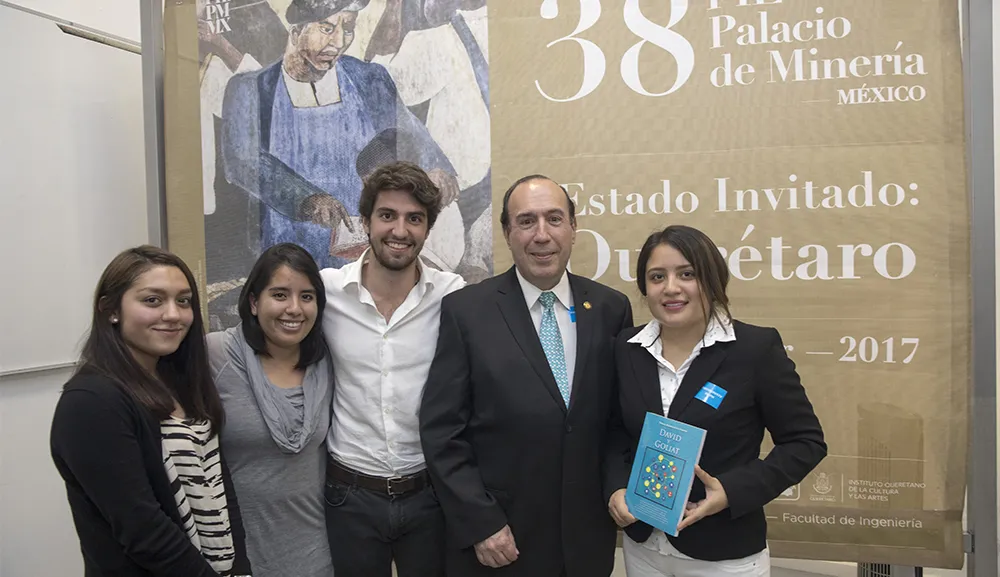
x: 274, y: 375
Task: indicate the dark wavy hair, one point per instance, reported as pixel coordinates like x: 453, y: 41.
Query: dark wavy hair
x: 182, y: 376
x: 313, y: 347
x: 697, y: 248
x: 405, y: 176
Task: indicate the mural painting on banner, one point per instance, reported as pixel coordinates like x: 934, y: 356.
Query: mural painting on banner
x: 301, y: 99
x: 820, y: 143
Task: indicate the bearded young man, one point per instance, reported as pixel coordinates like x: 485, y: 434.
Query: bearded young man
x: 381, y: 324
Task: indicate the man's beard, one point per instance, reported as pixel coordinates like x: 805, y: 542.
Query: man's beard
x: 390, y: 264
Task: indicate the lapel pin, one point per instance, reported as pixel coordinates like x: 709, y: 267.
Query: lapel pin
x: 586, y: 305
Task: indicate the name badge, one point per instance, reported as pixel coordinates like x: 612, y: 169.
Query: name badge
x: 572, y: 314
x: 711, y: 394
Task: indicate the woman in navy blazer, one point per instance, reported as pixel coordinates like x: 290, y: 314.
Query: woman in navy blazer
x: 693, y: 343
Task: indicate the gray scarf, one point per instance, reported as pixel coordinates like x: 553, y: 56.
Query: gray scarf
x: 274, y: 407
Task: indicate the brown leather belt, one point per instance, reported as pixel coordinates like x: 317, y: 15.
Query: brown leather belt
x: 393, y: 487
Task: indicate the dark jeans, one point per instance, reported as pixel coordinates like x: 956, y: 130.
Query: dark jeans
x: 368, y: 531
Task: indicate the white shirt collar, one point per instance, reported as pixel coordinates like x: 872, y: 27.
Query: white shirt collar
x: 323, y: 92
x: 715, y: 332
x: 531, y: 293
x: 351, y: 272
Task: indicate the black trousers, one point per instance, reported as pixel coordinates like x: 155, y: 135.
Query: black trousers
x: 368, y: 531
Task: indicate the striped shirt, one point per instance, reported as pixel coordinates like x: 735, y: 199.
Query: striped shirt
x: 194, y: 469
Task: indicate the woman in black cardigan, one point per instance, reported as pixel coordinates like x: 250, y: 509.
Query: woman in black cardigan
x: 694, y: 363
x: 135, y: 432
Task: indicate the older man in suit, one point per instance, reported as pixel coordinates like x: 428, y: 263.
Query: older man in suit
x: 519, y: 420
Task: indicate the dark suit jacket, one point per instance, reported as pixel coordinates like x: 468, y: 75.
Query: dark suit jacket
x: 501, y: 446
x: 763, y: 391
x: 107, y: 448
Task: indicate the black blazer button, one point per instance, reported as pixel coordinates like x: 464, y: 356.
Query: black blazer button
x: 569, y: 428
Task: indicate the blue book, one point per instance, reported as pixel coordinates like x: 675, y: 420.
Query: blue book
x: 663, y: 471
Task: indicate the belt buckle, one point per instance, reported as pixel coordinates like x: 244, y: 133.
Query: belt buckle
x: 389, y: 487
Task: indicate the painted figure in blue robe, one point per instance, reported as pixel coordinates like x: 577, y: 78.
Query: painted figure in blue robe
x: 292, y: 131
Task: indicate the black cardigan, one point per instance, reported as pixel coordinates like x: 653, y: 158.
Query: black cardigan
x: 107, y: 449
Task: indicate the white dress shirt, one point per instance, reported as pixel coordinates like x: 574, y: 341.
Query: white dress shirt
x: 380, y: 369
x: 561, y: 307
x: 670, y: 381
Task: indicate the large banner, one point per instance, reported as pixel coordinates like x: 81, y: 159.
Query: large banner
x: 301, y: 99
x: 820, y: 144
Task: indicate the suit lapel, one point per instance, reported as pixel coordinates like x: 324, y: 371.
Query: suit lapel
x: 698, y: 374
x: 647, y: 376
x: 584, y: 334
x: 515, y: 313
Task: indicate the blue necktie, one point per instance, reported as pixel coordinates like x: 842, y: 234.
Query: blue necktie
x: 552, y: 344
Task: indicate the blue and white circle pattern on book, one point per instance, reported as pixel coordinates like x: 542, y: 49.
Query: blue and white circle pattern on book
x: 659, y: 477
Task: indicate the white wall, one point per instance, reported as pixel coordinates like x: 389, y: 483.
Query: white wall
x: 118, y: 17
x: 76, y: 108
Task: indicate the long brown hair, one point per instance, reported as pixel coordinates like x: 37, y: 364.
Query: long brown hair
x: 182, y: 376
